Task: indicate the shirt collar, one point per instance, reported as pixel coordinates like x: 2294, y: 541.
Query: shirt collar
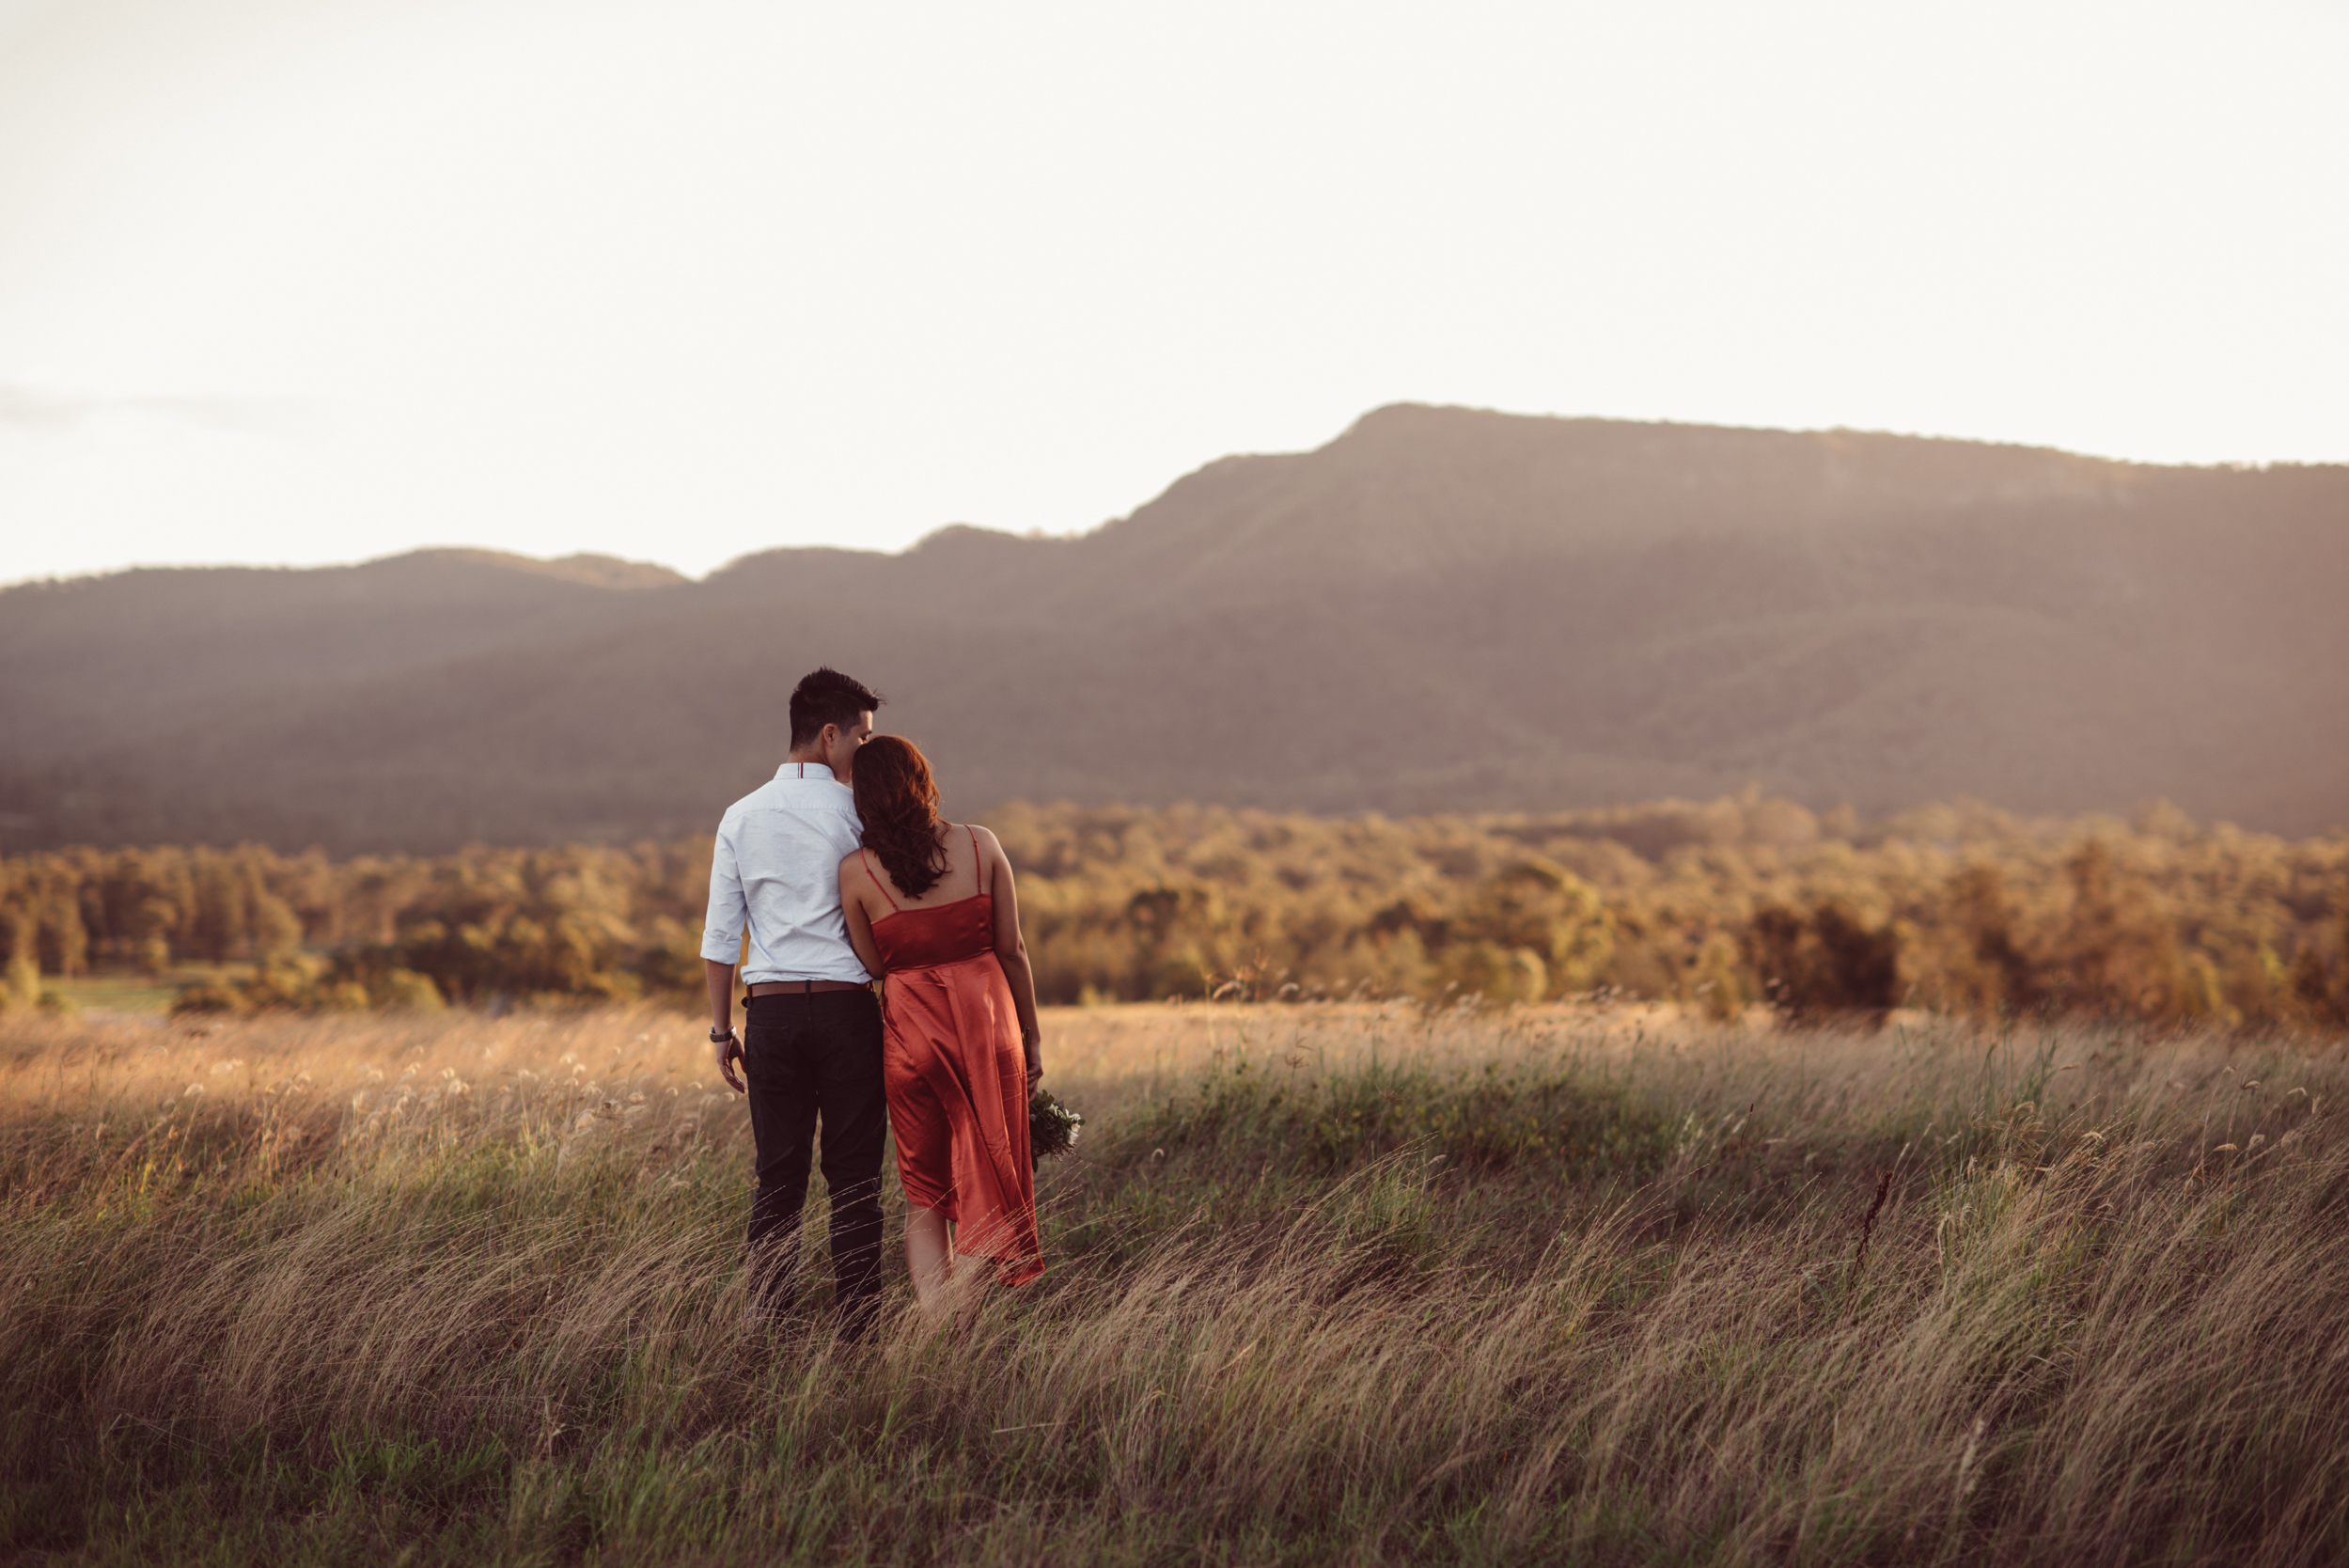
x: 803, y: 770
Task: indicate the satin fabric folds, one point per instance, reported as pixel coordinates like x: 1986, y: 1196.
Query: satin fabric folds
x: 957, y: 1082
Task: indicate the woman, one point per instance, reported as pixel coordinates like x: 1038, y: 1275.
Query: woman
x: 930, y: 908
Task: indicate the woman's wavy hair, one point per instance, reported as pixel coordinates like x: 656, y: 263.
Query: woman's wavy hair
x: 897, y: 799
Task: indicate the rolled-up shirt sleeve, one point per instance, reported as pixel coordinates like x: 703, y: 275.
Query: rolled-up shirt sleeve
x: 730, y: 912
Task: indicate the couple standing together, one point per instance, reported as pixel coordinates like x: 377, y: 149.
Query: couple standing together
x: 842, y: 872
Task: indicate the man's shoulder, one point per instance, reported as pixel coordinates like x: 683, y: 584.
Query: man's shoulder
x: 744, y: 806
x: 794, y: 797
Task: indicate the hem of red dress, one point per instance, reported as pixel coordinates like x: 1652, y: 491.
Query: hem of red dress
x: 943, y: 1206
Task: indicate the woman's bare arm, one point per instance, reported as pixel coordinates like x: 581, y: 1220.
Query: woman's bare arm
x: 1011, y: 950
x: 855, y: 879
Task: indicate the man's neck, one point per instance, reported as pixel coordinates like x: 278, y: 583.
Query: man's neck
x: 814, y: 756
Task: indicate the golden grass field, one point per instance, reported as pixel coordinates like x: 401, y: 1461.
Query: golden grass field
x: 1328, y: 1283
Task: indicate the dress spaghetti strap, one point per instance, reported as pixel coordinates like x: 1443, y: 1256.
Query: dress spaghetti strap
x: 978, y: 865
x: 876, y: 880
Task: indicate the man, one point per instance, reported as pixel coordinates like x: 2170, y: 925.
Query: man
x: 811, y: 1037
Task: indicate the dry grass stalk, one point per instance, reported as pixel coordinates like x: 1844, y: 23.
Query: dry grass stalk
x: 1867, y: 1224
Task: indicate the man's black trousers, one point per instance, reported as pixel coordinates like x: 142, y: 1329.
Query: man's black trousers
x: 809, y: 1058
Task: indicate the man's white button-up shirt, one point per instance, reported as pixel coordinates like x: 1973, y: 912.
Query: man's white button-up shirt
x: 777, y: 865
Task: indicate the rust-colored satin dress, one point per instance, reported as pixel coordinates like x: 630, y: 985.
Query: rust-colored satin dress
x: 957, y: 1078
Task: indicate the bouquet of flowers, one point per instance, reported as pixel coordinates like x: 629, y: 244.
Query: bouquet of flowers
x: 1052, y: 1127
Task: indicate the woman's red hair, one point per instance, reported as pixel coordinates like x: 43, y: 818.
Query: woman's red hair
x: 897, y: 799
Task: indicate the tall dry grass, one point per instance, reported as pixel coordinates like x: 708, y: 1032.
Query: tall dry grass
x: 1328, y: 1284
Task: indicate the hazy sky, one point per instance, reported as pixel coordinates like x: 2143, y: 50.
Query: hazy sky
x: 315, y: 280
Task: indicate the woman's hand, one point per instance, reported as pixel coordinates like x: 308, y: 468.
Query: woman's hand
x: 1034, y: 1044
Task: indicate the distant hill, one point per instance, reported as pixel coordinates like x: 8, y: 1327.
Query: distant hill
x: 1442, y: 609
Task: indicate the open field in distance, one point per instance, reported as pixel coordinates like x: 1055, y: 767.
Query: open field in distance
x: 1327, y: 1282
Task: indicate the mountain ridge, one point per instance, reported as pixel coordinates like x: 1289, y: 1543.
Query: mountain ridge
x: 1440, y: 609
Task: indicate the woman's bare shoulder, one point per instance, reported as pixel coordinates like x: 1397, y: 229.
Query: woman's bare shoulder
x: 991, y: 848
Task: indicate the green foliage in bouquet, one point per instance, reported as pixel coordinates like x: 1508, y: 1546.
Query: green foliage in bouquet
x: 1052, y: 1127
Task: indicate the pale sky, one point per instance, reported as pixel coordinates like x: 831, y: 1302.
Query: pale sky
x: 320, y: 280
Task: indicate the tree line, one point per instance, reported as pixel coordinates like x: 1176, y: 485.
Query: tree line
x: 1721, y: 904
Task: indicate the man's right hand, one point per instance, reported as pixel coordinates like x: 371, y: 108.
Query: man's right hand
x: 730, y: 1051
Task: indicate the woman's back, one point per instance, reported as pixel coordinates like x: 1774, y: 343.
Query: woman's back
x: 951, y: 922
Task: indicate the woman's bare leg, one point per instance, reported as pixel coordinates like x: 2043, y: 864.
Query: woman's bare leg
x: 974, y: 1276
x: 928, y: 1258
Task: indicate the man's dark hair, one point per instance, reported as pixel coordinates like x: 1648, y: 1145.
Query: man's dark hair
x: 827, y: 697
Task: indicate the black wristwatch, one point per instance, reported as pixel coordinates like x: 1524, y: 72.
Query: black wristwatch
x: 719, y: 1037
